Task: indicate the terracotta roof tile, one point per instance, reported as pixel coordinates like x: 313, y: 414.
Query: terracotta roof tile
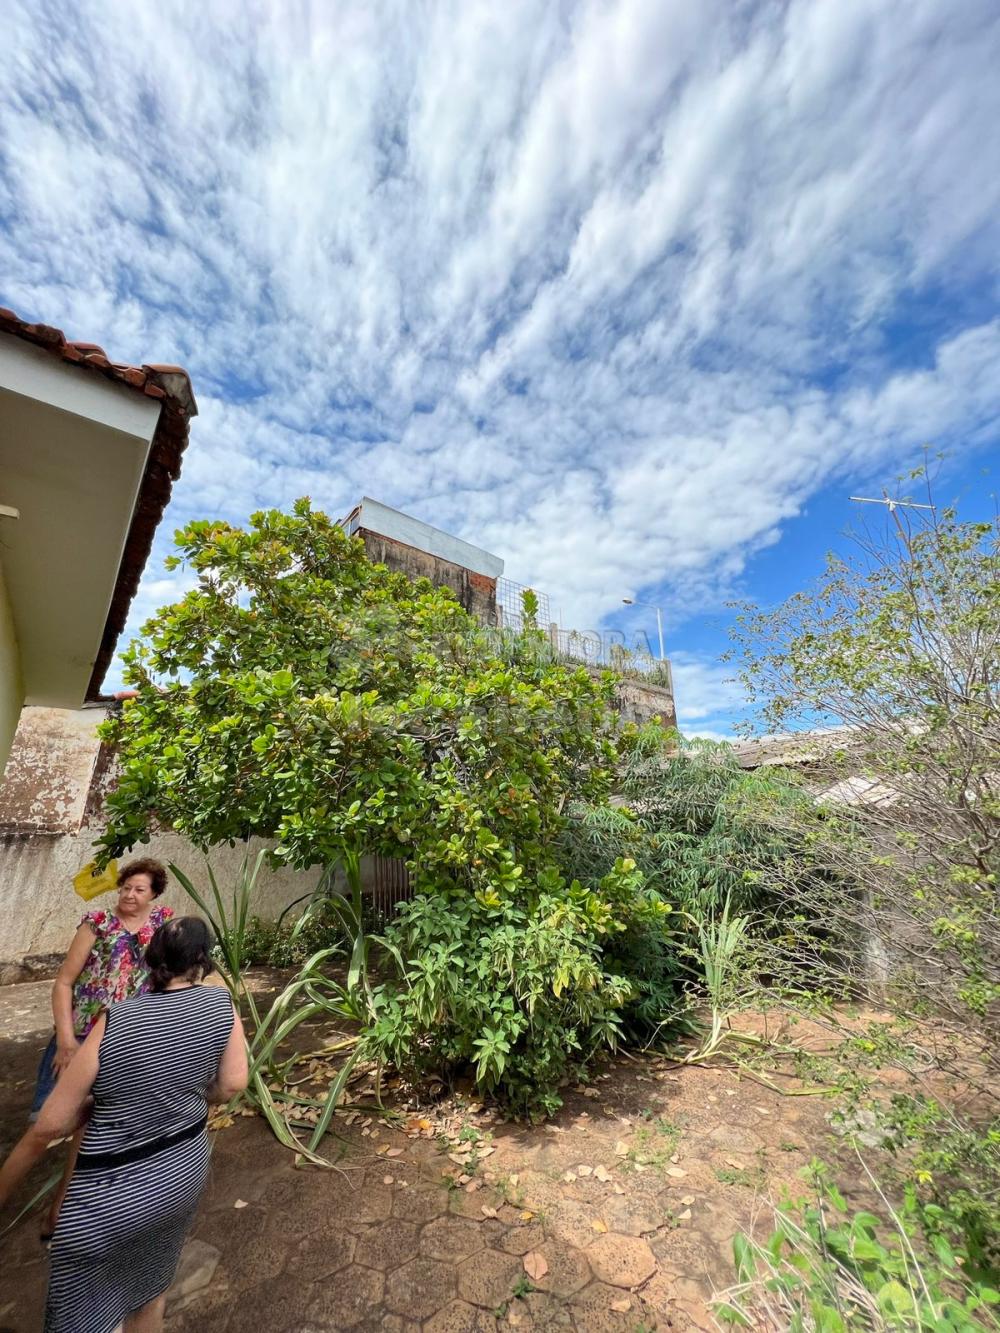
x: 171, y: 385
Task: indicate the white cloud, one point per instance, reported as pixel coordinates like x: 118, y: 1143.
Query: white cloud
x: 577, y: 282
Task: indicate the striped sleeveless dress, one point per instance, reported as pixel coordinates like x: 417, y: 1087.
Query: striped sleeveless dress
x: 143, y: 1160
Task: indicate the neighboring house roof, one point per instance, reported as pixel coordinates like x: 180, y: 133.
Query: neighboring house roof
x: 794, y: 747
x: 171, y: 387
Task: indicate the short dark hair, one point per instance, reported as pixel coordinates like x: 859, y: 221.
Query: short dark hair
x: 180, y: 949
x: 145, y: 865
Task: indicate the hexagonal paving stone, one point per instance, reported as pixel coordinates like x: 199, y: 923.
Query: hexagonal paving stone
x: 317, y: 1256
x: 284, y: 1304
x: 450, y: 1239
x: 687, y: 1250
x: 734, y: 1139
x: 623, y: 1261
x: 569, y: 1221
x: 471, y: 1205
x: 568, y: 1269
x: 592, y: 1312
x: 387, y: 1245
x: 488, y: 1278
x: 460, y: 1317
x: 521, y: 1239
x: 632, y: 1216
x: 346, y: 1302
x: 681, y: 1300
x: 542, y: 1311
x: 420, y: 1288
x: 251, y: 1239
x: 419, y: 1205
x: 372, y: 1203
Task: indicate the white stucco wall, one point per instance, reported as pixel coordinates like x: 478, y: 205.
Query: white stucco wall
x: 11, y: 687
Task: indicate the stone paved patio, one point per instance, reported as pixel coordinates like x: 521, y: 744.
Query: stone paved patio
x: 619, y: 1215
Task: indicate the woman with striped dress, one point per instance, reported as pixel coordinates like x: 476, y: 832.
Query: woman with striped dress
x: 151, y: 1065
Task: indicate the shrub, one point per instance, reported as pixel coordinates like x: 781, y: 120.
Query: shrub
x: 523, y: 992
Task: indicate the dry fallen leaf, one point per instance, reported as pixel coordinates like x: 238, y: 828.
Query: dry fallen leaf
x: 527, y: 1215
x: 487, y: 1211
x: 240, y: 1203
x: 621, y: 1148
x: 621, y: 1306
x: 569, y: 1177
x: 618, y: 1189
x: 393, y: 1152
x: 535, y: 1265
x: 584, y: 1170
x: 685, y: 1216
x: 599, y: 1226
x: 734, y: 1162
x: 677, y: 1172
x: 687, y: 1200
x: 602, y: 1174
x: 473, y: 1185
x: 387, y: 1180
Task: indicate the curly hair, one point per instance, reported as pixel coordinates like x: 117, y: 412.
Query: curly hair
x: 145, y: 865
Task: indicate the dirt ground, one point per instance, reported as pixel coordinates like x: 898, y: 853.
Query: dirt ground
x: 617, y: 1215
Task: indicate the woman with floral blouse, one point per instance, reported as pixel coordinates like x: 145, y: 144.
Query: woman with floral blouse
x: 105, y: 964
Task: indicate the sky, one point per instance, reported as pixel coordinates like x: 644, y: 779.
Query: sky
x: 634, y: 293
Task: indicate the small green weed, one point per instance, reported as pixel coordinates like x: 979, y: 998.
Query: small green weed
x: 654, y: 1145
x: 750, y: 1177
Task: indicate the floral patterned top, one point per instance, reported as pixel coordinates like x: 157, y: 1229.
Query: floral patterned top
x: 115, y: 967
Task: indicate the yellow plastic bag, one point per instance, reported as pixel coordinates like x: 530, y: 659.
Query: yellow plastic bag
x: 91, y: 882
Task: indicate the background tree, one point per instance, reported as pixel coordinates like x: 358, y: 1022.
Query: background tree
x: 899, y: 647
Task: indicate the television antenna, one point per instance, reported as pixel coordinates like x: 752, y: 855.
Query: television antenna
x: 892, y: 505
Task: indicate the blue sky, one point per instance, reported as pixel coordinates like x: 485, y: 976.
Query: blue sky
x: 634, y: 293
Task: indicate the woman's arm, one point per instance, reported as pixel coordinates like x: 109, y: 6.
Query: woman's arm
x: 234, y: 1070
x: 62, y: 1113
x: 62, y: 995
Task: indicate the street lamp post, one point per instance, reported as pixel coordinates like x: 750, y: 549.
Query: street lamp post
x: 659, y: 621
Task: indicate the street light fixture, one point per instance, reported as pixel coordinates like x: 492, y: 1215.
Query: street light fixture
x: 659, y: 620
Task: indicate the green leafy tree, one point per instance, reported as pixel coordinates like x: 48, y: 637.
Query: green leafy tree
x: 304, y: 694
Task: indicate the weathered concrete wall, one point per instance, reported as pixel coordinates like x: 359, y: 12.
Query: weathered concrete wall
x: 52, y: 809
x: 476, y: 592
x: 50, y: 770
x: 640, y: 702
x: 40, y: 910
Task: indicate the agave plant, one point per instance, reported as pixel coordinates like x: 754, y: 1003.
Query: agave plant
x: 315, y: 992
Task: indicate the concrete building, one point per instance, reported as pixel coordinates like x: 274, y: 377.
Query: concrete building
x: 411, y: 547
x: 89, y: 450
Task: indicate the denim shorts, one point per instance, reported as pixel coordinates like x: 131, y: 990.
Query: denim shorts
x: 47, y: 1076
